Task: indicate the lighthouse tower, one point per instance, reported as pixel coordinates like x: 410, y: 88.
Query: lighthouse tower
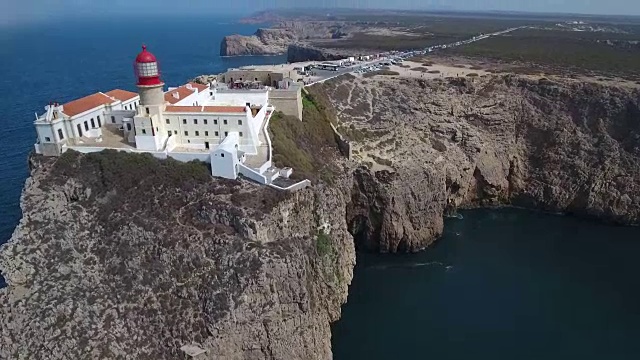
x: 148, y: 75
x: 149, y: 130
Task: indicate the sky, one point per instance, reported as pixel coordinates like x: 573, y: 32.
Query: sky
x: 18, y: 12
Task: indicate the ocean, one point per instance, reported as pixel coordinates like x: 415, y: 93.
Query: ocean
x: 505, y: 284
x: 499, y: 284
x: 66, y: 60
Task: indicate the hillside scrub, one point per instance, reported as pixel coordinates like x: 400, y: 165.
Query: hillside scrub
x: 306, y: 146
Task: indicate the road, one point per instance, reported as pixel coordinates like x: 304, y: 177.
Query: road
x: 324, y: 75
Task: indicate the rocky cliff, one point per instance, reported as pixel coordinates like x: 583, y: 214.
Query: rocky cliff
x: 263, y: 42
x: 125, y: 256
x: 434, y: 146
x: 276, y: 40
x: 301, y: 52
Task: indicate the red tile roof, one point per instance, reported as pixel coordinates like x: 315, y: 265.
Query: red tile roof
x: 200, y: 87
x: 86, y: 103
x: 183, y: 109
x: 205, y: 109
x: 182, y: 93
x: 121, y: 95
x: 224, y: 109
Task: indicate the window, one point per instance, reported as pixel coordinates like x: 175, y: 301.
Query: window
x: 168, y: 121
x: 215, y: 121
x: 184, y: 121
x: 86, y: 126
x: 216, y: 133
x: 226, y: 133
x: 99, y: 122
x: 128, y: 126
x: 186, y: 133
x: 79, y: 130
x: 147, y: 110
x: 169, y: 132
x: 206, y: 144
x: 222, y: 155
x: 144, y: 131
x: 240, y: 133
x: 113, y: 119
x: 93, y: 123
x: 197, y: 133
x: 205, y: 121
x: 225, y: 121
x: 98, y: 117
x: 47, y: 139
x: 206, y: 133
x: 210, y: 93
x: 195, y: 121
x: 239, y: 122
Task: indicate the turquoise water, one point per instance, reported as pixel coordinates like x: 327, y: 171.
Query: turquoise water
x: 70, y: 59
x: 506, y: 284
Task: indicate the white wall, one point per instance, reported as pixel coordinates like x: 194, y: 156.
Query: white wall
x: 240, y: 97
x: 213, y: 131
x: 223, y: 163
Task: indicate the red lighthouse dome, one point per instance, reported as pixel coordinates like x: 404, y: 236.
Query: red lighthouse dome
x: 146, y: 69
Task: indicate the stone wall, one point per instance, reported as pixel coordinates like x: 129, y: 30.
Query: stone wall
x: 288, y: 101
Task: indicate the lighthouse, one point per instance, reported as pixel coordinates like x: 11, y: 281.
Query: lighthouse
x: 149, y: 131
x: 148, y: 78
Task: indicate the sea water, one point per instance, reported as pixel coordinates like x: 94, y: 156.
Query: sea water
x: 505, y: 284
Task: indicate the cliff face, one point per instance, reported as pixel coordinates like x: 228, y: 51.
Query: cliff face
x: 263, y: 42
x: 276, y: 40
x: 299, y: 53
x: 125, y: 256
x: 122, y: 255
x: 434, y: 146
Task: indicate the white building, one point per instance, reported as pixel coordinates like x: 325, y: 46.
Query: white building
x: 227, y: 128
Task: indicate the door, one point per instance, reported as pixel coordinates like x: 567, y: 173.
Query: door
x: 206, y: 144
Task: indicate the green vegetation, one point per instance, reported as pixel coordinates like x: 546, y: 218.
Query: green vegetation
x: 424, y: 30
x: 559, y: 51
x: 111, y: 169
x: 380, y: 72
x: 323, y: 244
x: 307, y: 146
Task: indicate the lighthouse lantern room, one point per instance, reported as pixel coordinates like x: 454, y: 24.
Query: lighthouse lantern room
x: 148, y: 78
x: 146, y: 69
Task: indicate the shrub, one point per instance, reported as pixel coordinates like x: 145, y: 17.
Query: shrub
x: 472, y: 75
x: 323, y: 243
x: 381, y: 72
x: 307, y: 146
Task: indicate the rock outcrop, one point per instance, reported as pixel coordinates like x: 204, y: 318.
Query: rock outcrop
x: 263, y: 42
x: 124, y: 256
x: 435, y: 146
x: 276, y: 40
x: 299, y: 53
